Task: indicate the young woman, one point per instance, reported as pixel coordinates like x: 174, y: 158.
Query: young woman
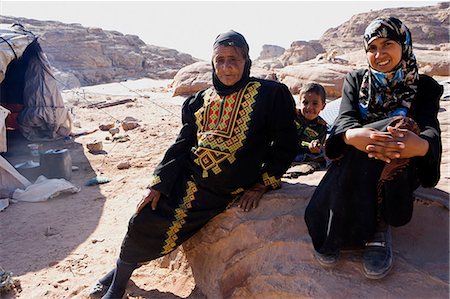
x: 384, y: 144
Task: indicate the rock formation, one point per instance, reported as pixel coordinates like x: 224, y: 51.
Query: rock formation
x: 270, y: 52
x: 330, y: 75
x: 428, y: 25
x: 267, y: 253
x: 197, y: 76
x: 300, y: 51
x: 95, y: 56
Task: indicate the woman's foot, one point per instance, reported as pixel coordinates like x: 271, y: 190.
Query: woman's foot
x: 378, y: 255
x: 326, y: 260
x: 98, y: 290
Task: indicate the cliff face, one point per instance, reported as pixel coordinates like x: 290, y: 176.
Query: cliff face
x: 428, y: 25
x: 95, y: 56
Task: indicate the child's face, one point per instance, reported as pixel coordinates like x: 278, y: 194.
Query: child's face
x: 311, y: 104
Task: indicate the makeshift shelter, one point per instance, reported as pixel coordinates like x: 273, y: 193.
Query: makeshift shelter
x: 28, y: 88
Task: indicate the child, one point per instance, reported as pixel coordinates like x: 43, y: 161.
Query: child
x: 384, y: 144
x: 311, y: 128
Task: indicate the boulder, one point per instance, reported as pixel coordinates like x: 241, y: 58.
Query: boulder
x: 192, y: 78
x: 330, y: 75
x: 300, y: 51
x: 197, y: 76
x: 267, y: 253
x: 270, y: 51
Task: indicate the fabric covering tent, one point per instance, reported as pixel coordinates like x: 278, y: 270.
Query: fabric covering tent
x: 28, y: 85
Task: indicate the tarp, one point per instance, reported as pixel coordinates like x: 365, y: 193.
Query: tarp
x: 28, y: 81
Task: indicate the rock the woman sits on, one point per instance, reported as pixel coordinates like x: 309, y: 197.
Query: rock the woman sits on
x: 385, y: 143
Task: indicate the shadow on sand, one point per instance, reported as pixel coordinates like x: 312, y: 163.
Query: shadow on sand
x: 38, y: 235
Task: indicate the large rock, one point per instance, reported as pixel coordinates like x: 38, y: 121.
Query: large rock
x: 300, y: 51
x: 197, y: 76
x: 330, y: 75
x: 192, y: 78
x: 267, y: 253
x: 96, y: 56
x: 270, y: 51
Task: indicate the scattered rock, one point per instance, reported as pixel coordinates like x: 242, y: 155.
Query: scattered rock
x: 114, y: 131
x: 106, y: 127
x: 129, y: 125
x: 123, y: 165
x: 94, y: 146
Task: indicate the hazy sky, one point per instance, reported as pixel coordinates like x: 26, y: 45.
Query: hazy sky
x: 191, y: 26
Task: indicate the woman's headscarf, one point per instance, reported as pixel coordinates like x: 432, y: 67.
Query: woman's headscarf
x: 235, y: 39
x: 389, y: 94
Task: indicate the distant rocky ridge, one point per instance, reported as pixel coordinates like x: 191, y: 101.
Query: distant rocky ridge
x: 89, y: 56
x: 339, y: 51
x: 86, y: 56
x: 429, y: 25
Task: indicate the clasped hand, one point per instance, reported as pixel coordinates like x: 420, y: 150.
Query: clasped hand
x: 394, y: 144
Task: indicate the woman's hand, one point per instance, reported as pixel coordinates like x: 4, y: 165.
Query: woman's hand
x: 315, y: 146
x: 397, y: 143
x: 413, y: 145
x: 251, y: 197
x: 379, y: 145
x: 151, y: 195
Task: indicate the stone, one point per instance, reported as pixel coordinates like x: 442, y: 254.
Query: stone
x: 94, y: 146
x: 129, y: 125
x: 106, y: 127
x: 267, y: 253
x: 330, y: 75
x: 123, y: 164
x: 114, y: 131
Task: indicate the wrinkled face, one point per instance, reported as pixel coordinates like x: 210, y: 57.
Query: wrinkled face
x: 384, y: 54
x: 311, y: 104
x: 229, y: 64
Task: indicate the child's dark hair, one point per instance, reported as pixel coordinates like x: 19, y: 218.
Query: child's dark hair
x: 315, y: 88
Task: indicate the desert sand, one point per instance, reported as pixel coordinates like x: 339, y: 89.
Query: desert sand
x: 60, y: 247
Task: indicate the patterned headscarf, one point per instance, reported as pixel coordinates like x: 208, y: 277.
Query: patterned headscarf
x: 232, y: 39
x: 382, y: 94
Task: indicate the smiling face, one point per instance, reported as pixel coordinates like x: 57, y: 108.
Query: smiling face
x: 229, y: 64
x: 384, y: 54
x: 311, y: 104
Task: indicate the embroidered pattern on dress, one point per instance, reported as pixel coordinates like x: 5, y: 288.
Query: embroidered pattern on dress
x: 179, y: 221
x: 271, y: 181
x: 154, y: 180
x: 222, y: 126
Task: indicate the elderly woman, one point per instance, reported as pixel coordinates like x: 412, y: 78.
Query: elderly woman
x: 237, y: 140
x: 385, y: 143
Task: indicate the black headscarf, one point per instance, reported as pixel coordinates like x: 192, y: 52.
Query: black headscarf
x: 232, y: 39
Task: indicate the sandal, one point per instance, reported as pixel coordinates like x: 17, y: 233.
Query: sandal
x: 378, y: 255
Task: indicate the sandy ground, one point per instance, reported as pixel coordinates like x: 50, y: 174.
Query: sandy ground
x: 58, y: 248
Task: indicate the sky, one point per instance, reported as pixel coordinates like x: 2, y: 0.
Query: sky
x: 191, y: 26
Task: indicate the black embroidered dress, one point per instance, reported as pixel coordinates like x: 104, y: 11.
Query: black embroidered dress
x: 227, y: 144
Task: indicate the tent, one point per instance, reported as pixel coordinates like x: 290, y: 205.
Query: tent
x: 28, y: 88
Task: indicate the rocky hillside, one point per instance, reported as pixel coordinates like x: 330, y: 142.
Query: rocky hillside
x: 88, y: 56
x: 428, y: 25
